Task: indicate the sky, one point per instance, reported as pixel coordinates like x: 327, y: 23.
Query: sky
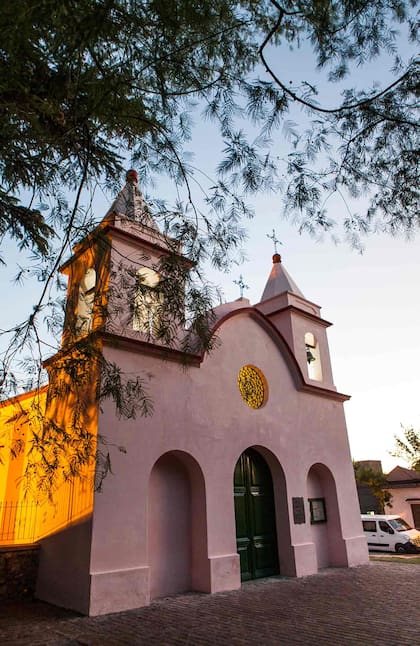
x: 372, y: 299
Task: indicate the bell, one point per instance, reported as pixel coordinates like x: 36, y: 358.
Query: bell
x: 309, y: 356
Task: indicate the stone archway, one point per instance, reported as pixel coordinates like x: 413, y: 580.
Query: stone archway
x: 177, y: 530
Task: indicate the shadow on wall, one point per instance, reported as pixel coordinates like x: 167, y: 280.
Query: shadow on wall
x: 177, y: 526
x: 325, y: 519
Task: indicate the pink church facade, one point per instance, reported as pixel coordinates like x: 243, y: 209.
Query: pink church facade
x: 243, y: 470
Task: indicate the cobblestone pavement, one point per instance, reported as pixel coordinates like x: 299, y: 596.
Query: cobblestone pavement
x: 377, y: 604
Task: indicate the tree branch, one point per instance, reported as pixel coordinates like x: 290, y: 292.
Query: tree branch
x: 294, y: 96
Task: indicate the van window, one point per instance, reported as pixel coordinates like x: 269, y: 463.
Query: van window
x: 399, y: 524
x: 383, y: 525
x: 369, y: 525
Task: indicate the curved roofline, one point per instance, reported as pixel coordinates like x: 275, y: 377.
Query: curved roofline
x: 195, y: 359
x: 272, y: 331
x: 283, y: 346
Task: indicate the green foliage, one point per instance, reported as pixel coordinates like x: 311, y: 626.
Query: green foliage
x: 84, y: 82
x: 129, y: 395
x: 376, y: 481
x: 407, y: 447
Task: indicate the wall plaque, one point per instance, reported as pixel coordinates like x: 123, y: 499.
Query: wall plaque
x: 298, y: 511
x: 318, y: 511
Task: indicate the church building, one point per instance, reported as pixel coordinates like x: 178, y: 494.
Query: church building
x: 243, y: 470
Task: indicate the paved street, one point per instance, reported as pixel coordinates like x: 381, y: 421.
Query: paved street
x: 372, y: 605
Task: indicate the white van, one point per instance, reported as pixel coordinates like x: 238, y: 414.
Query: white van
x: 390, y: 533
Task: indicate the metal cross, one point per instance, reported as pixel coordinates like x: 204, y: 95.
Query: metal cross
x: 274, y: 239
x: 241, y: 285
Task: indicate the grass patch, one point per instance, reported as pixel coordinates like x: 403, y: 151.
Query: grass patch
x: 399, y: 559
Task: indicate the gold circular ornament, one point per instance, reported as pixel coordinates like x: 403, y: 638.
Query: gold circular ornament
x: 252, y: 386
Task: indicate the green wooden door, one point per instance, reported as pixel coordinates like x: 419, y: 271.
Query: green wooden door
x: 255, y: 517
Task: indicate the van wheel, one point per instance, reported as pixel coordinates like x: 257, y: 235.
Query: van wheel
x: 400, y: 549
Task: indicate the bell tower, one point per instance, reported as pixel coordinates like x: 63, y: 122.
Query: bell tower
x: 119, y: 275
x: 300, y: 323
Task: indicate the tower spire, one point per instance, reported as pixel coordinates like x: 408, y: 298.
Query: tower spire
x: 131, y: 204
x: 279, y: 280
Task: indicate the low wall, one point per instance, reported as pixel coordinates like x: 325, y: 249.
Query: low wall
x: 18, y: 571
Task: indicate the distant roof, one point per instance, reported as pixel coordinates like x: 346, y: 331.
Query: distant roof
x: 401, y: 474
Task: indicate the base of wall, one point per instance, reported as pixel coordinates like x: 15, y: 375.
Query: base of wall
x: 354, y: 553
x: 119, y: 590
x: 225, y: 573
x: 63, y: 575
x: 18, y: 571
x: 357, y: 551
x: 305, y: 560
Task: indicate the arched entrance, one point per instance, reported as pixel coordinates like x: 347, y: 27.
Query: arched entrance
x: 325, y: 518
x: 256, y: 536
x: 177, y: 529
